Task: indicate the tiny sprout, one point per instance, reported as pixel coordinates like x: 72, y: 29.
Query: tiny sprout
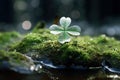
x: 64, y: 30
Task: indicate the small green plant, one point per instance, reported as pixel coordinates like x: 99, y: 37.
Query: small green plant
x: 64, y: 30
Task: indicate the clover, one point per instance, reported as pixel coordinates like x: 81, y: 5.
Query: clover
x: 64, y: 30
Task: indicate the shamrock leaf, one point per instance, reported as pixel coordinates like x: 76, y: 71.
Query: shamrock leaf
x: 64, y: 30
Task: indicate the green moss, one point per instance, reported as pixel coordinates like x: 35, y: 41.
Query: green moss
x: 15, y: 58
x: 31, y: 40
x: 82, y: 50
x: 39, y: 25
x: 7, y: 38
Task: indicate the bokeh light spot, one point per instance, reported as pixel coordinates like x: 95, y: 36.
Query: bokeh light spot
x: 20, y: 5
x: 26, y: 25
x: 75, y: 14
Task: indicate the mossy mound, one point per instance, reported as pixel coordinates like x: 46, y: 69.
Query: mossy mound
x: 7, y: 38
x: 82, y: 50
x: 32, y: 39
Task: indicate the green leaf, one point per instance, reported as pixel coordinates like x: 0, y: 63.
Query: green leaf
x: 74, y: 30
x: 64, y: 30
x: 55, y: 29
x: 65, y: 22
x: 64, y: 37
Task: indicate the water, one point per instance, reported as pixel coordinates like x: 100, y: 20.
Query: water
x: 94, y: 74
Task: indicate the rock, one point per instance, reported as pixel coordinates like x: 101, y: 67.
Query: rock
x: 16, y: 61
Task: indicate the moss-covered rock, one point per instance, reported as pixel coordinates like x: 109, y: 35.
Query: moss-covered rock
x: 15, y: 61
x: 32, y: 39
x: 82, y: 50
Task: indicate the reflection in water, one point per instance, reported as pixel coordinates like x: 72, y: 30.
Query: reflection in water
x: 46, y: 74
x: 79, y: 75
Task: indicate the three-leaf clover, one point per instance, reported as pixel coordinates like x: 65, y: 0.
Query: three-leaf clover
x: 64, y: 30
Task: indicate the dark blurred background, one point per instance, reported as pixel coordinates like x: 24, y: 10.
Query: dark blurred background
x: 94, y: 16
